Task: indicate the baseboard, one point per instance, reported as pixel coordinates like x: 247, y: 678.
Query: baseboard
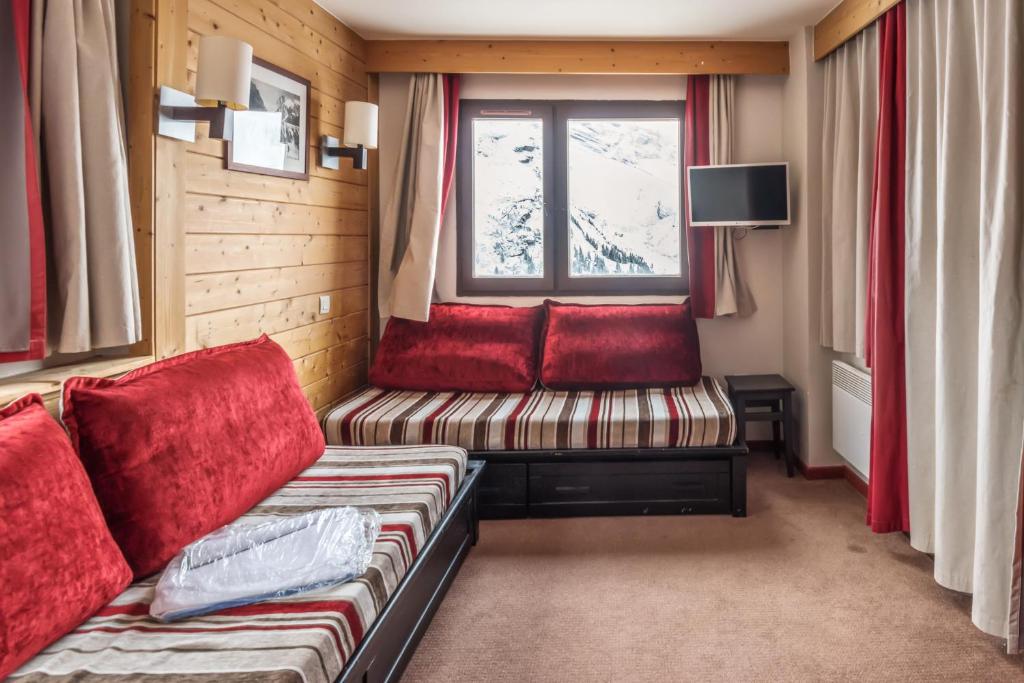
x: 819, y: 472
x: 855, y: 481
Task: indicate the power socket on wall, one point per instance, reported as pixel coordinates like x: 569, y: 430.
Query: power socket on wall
x: 325, y: 304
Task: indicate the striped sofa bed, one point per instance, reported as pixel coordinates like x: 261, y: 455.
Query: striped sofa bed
x: 666, y: 450
x: 365, y: 629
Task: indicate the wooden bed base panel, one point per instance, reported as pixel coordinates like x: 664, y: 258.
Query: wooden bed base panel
x: 637, y: 481
x: 392, y: 638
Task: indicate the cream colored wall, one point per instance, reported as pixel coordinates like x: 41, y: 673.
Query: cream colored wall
x: 749, y: 345
x: 805, y: 362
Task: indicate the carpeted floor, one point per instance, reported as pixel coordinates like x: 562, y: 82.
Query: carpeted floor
x: 797, y: 591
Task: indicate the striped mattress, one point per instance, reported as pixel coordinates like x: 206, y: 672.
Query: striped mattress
x: 306, y: 637
x: 543, y: 419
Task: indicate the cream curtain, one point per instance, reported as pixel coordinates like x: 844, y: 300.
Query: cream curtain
x: 848, y: 159
x: 411, y: 220
x: 95, y: 282
x: 732, y: 297
x: 965, y: 292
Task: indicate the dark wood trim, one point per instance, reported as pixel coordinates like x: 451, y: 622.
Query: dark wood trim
x: 556, y: 280
x: 466, y: 284
x: 304, y: 145
x: 614, y: 481
x: 391, y: 640
x: 622, y: 285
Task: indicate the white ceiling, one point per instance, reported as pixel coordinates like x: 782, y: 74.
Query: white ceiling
x: 641, y: 19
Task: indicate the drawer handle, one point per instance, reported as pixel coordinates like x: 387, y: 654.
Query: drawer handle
x: 572, y: 489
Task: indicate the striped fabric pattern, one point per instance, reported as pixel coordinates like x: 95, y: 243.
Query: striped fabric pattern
x: 543, y: 419
x: 306, y: 637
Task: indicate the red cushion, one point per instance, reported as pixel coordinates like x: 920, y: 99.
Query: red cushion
x: 461, y: 348
x: 58, y: 562
x: 619, y: 347
x: 183, y: 446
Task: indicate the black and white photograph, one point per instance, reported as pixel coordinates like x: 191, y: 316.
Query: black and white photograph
x: 269, y: 137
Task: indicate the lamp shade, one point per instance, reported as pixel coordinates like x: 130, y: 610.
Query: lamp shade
x: 360, y: 125
x: 224, y: 72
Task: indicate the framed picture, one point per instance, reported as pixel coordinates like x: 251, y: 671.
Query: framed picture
x: 272, y: 136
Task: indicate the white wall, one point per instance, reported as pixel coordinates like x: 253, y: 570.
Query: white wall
x: 750, y: 345
x: 805, y: 362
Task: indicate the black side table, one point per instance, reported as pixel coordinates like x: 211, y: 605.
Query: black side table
x: 766, y: 398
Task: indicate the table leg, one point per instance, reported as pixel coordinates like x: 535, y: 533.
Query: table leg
x: 788, y: 433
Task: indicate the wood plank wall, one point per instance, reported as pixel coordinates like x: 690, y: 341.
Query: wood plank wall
x: 260, y: 250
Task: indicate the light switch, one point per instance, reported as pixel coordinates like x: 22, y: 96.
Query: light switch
x: 325, y: 304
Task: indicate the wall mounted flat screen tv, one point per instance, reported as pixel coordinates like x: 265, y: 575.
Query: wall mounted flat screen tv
x: 745, y: 195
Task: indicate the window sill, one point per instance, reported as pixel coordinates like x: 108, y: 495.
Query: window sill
x: 48, y: 382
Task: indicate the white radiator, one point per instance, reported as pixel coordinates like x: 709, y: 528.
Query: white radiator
x: 851, y: 415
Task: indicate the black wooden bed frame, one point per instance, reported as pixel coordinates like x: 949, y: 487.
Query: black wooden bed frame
x: 614, y: 481
x: 390, y: 641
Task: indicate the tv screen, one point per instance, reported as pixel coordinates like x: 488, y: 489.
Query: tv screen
x: 741, y: 194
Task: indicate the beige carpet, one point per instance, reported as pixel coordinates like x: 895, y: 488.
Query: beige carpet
x: 797, y: 591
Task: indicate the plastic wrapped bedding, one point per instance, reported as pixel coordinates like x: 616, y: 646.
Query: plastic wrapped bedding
x: 242, y: 564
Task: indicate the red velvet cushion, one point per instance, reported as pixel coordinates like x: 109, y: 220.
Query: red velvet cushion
x: 183, y: 446
x: 461, y: 348
x: 58, y: 563
x: 619, y: 347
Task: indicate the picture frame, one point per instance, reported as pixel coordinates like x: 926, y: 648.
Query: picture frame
x: 267, y: 144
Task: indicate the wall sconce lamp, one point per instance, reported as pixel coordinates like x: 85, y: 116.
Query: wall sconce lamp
x: 222, y: 86
x: 360, y: 136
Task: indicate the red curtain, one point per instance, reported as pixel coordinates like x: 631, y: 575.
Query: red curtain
x: 28, y: 185
x: 888, y: 499
x: 451, y: 135
x: 700, y: 242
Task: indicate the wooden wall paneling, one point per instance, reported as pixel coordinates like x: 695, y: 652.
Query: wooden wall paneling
x: 295, y: 315
x: 273, y: 21
x: 845, y: 21
x: 219, y: 214
x: 260, y: 250
x: 373, y: 223
x: 227, y: 253
x: 577, y: 57
x: 216, y: 291
x: 207, y: 17
x: 207, y: 175
x: 169, y: 188
x: 139, y: 115
x: 326, y: 26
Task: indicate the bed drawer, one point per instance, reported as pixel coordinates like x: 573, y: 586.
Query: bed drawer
x: 502, y: 490
x: 695, y: 487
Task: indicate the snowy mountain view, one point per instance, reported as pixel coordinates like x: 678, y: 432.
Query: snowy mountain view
x: 508, y: 201
x: 624, y: 204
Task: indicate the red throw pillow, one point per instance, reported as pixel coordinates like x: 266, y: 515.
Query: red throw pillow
x: 619, y: 347
x: 184, y: 446
x: 58, y: 563
x: 461, y: 348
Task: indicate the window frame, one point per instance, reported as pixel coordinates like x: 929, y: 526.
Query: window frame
x: 556, y: 280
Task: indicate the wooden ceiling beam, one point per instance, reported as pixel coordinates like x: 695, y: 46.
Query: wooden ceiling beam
x: 577, y: 57
x: 849, y: 18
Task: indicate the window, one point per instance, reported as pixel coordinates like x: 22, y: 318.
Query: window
x: 570, y: 198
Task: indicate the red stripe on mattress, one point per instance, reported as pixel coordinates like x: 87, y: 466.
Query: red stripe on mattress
x: 673, y: 418
x: 592, y: 418
x: 406, y: 531
x: 346, y: 422
x: 428, y: 423
x: 510, y: 424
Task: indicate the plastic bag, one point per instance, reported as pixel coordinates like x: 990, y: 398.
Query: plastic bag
x: 245, y: 563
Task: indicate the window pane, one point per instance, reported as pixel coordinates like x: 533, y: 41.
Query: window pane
x: 624, y: 205
x: 508, y: 198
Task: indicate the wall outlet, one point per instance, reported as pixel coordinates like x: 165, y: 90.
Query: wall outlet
x: 325, y: 304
